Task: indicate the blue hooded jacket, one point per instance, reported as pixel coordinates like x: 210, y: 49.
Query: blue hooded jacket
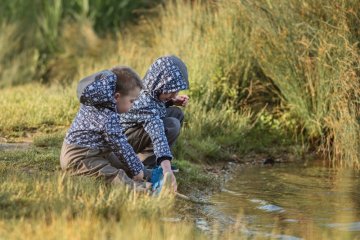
x: 166, y: 75
x: 97, y: 124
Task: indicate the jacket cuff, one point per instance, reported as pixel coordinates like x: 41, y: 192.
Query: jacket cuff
x: 139, y: 167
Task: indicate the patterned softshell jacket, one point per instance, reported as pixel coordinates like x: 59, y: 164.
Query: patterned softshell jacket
x: 167, y: 74
x: 97, y: 124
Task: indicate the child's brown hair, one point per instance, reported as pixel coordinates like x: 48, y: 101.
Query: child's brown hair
x: 127, y: 79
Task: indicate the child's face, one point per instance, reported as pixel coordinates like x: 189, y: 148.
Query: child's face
x: 164, y: 97
x: 124, y: 102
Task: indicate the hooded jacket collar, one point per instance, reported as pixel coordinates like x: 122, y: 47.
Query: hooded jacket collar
x: 98, y: 90
x: 167, y: 74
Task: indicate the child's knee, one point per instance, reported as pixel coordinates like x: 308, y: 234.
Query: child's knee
x: 175, y: 112
x: 172, y: 127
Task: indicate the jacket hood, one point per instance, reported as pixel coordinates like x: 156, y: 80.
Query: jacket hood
x: 167, y: 74
x: 98, y: 90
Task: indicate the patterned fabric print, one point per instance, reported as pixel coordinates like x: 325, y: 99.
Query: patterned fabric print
x: 98, y: 127
x: 101, y: 92
x: 163, y: 76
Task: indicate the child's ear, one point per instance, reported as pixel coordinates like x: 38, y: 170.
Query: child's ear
x: 117, y: 95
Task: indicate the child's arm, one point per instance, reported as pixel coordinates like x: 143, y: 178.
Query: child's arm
x: 120, y: 146
x: 154, y: 126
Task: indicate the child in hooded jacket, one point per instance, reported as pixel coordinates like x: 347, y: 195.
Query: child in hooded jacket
x: 95, y: 144
x: 152, y: 124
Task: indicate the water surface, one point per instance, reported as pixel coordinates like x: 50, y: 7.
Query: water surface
x: 291, y: 201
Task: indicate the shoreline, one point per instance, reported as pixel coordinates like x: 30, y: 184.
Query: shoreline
x: 221, y: 172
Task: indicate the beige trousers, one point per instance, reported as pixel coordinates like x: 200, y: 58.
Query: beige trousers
x: 99, y: 163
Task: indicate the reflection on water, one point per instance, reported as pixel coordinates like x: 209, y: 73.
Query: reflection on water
x: 291, y: 202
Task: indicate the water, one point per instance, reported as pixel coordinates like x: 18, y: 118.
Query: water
x: 291, y: 201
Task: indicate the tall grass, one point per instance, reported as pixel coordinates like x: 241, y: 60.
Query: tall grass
x: 37, y: 35
x: 298, y: 60
x: 307, y: 50
x: 54, y: 207
x: 208, y: 136
x: 301, y: 53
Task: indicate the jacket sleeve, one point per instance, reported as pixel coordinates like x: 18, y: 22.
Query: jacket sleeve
x: 154, y: 126
x: 120, y: 146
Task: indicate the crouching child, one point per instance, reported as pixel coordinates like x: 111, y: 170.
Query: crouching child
x: 95, y: 144
x: 153, y: 123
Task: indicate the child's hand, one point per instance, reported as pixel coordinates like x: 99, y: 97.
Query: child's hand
x: 168, y: 173
x: 181, y: 100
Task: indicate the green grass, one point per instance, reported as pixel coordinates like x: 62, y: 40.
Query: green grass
x: 264, y: 75
x: 35, y: 107
x: 35, y: 192
x: 300, y: 64
x: 48, y: 204
x: 43, y: 158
